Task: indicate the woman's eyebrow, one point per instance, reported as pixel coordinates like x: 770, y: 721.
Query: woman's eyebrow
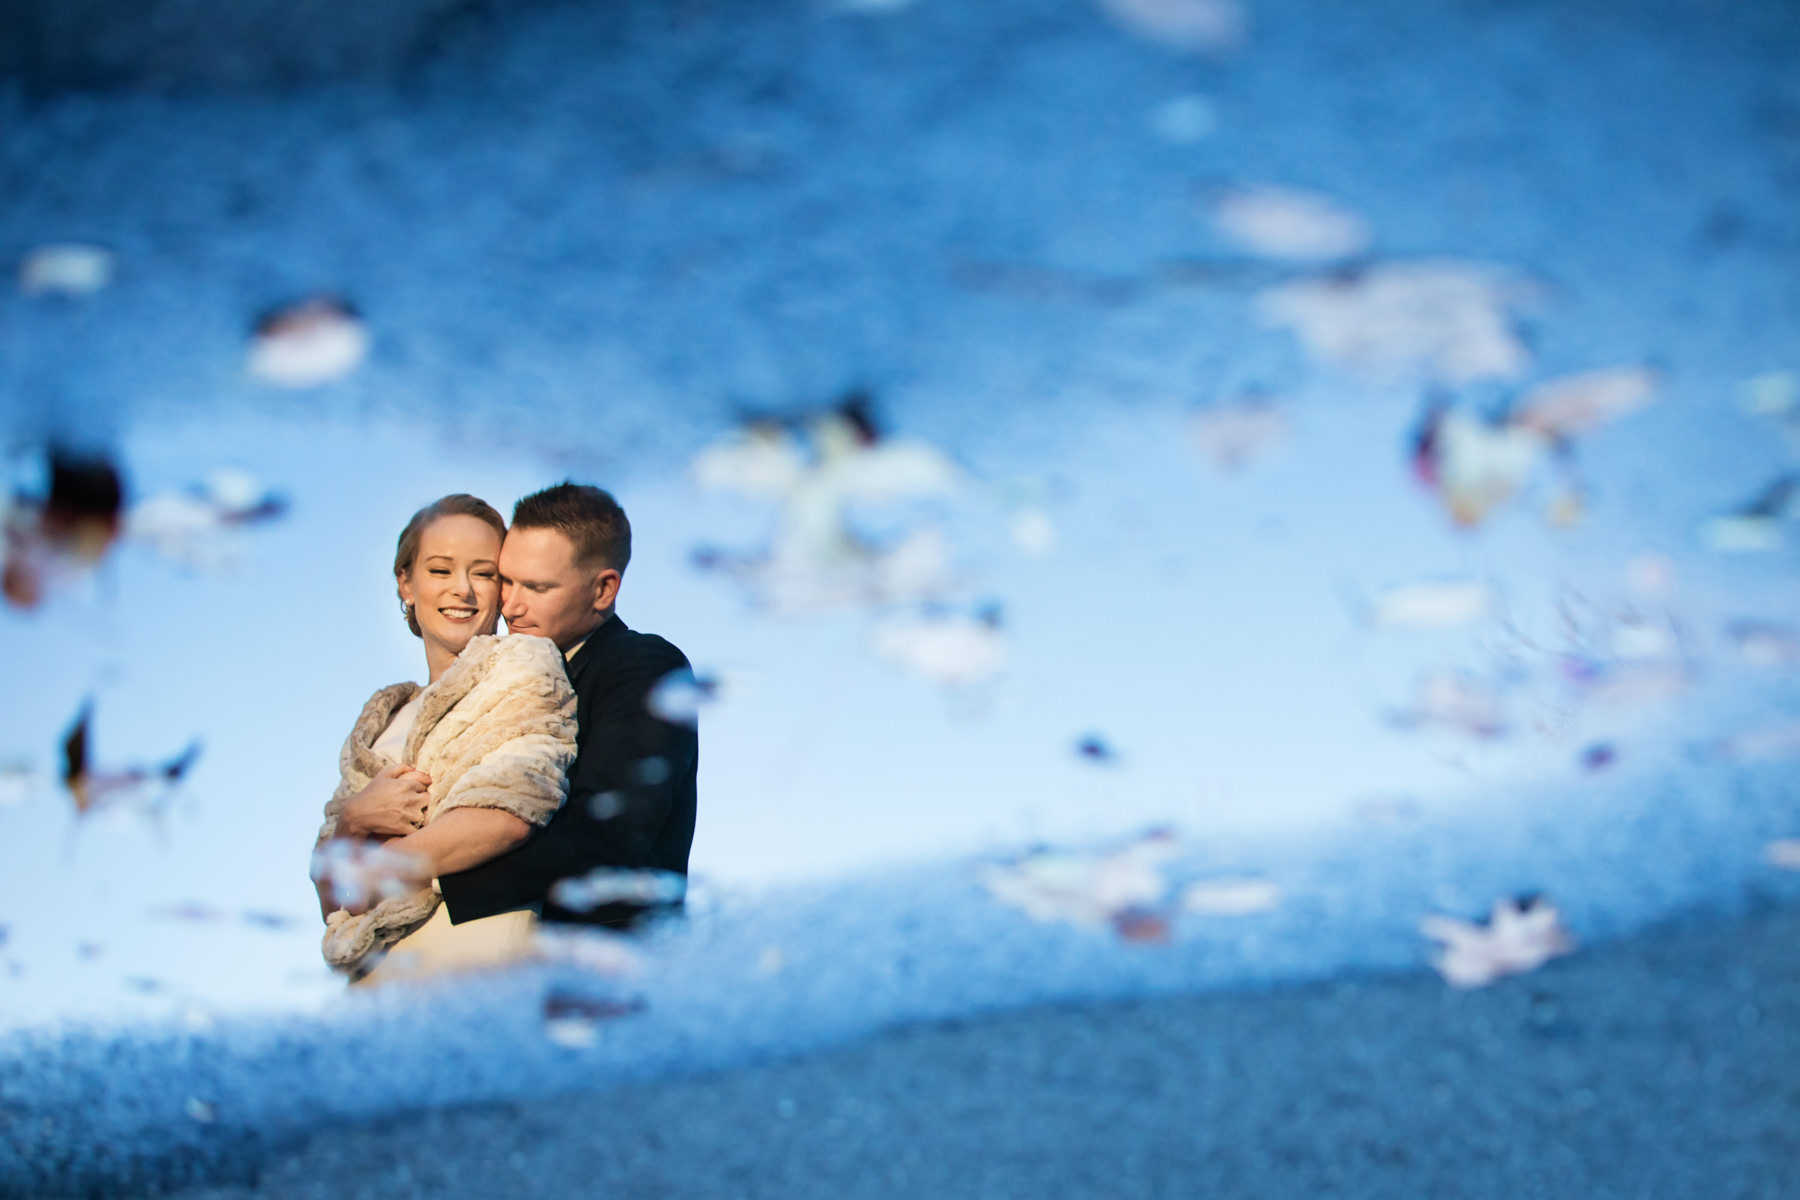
x: 480, y: 562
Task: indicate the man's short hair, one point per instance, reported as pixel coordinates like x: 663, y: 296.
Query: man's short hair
x: 588, y: 516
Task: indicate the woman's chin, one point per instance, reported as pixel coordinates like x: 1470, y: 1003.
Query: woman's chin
x: 457, y: 640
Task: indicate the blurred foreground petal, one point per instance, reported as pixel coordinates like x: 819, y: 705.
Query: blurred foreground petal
x: 1518, y: 936
x: 308, y: 344
x: 1290, y: 224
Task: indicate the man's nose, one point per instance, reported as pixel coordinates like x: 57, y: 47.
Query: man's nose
x: 509, y: 595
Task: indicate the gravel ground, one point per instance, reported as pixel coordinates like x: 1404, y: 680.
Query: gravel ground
x: 1659, y: 1067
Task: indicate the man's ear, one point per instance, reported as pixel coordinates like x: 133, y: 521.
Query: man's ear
x: 606, y: 589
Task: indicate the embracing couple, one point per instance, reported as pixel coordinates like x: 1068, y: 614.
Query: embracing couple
x: 525, y: 761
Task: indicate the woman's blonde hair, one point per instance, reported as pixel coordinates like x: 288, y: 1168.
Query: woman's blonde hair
x: 458, y: 504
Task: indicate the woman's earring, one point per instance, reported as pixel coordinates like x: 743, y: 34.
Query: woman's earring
x: 406, y: 613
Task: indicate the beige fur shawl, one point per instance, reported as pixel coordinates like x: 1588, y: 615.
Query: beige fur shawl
x: 496, y: 730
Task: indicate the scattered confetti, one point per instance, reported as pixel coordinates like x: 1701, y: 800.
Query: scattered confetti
x: 1185, y: 120
x: 1201, y: 26
x: 1448, y: 320
x: 770, y: 961
x: 611, y: 885
x: 1578, y: 404
x: 308, y: 344
x: 1518, y: 936
x: 1433, y: 605
x: 65, y: 269
x: 1085, y: 889
x: 1286, y: 223
x: 1783, y: 853
x: 1230, y: 896
x: 1231, y: 433
x: 952, y: 649
x: 201, y: 1111
x: 146, y: 789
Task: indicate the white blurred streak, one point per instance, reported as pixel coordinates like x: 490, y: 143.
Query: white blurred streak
x: 1433, y: 605
x: 1577, y: 404
x: 612, y: 885
x: 65, y: 269
x: 1447, y: 320
x: 1290, y: 224
x: 1783, y: 853
x: 1200, y: 26
x: 1230, y: 897
x: 953, y: 649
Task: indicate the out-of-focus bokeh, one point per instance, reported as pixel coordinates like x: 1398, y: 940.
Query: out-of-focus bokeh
x: 1158, y: 494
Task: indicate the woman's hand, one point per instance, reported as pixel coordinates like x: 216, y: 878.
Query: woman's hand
x: 392, y: 805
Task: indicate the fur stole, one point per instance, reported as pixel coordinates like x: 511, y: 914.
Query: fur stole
x: 497, y: 730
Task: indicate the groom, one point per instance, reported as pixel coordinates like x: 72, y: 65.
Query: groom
x: 631, y: 786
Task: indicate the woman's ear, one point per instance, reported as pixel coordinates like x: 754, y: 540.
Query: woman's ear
x: 405, y: 587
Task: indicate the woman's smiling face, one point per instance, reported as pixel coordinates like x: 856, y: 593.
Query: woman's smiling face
x: 454, y: 582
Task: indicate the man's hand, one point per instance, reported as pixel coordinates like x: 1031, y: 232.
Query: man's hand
x: 392, y: 805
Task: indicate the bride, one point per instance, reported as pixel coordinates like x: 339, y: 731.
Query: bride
x: 448, y: 776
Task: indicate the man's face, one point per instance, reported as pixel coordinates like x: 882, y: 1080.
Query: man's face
x: 545, y: 593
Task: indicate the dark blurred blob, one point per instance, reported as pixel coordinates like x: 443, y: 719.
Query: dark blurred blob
x: 52, y: 46
x: 72, y: 526
x: 145, y: 788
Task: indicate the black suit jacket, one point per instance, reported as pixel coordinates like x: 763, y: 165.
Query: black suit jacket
x: 631, y: 789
